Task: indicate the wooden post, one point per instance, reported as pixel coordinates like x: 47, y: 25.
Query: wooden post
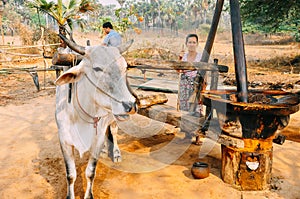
x: 248, y: 168
x: 1, y: 14
x: 239, y: 51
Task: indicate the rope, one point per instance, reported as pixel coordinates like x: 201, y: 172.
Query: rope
x: 95, y: 119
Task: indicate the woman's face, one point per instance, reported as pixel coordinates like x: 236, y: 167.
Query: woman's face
x: 192, y: 44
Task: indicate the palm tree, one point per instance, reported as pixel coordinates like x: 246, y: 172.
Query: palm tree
x: 65, y: 13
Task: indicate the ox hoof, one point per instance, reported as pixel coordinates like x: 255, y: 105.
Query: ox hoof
x: 117, y: 159
x: 117, y: 155
x: 90, y: 197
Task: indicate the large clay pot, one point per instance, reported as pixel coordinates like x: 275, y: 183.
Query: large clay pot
x: 200, y: 170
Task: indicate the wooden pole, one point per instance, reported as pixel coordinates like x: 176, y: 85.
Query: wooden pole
x: 173, y: 65
x: 206, y: 53
x: 239, y: 51
x: 1, y: 13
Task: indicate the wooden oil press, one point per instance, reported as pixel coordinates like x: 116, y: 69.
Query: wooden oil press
x: 251, y: 116
x: 247, y: 120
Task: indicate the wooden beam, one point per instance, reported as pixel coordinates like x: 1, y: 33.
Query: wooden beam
x: 9, y: 47
x: 173, y: 65
x: 149, y: 100
x: 187, y: 123
x: 225, y: 140
x: 169, y: 114
x: 147, y: 127
x: 20, y: 54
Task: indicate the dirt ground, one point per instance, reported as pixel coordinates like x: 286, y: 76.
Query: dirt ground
x: 32, y: 165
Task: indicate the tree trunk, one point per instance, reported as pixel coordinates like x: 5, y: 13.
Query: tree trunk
x: 249, y: 168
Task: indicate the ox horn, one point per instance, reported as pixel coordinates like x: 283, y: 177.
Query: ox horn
x: 124, y: 47
x: 77, y: 48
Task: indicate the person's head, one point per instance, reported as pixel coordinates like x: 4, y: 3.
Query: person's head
x: 192, y: 42
x: 107, y: 26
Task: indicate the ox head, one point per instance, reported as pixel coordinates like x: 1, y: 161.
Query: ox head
x: 102, y: 77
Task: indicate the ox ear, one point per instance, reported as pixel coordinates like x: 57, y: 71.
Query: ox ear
x: 124, y: 47
x: 70, y: 76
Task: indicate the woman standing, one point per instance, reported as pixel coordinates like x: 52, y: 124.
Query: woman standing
x: 187, y: 77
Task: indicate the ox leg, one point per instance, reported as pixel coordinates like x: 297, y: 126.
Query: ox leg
x: 116, y: 152
x: 104, y: 151
x: 68, y: 153
x: 90, y: 172
x: 111, y: 144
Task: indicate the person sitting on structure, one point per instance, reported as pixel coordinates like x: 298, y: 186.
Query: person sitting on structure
x: 112, y: 38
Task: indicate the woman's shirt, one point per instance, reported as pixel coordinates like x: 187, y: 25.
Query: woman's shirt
x: 191, y: 73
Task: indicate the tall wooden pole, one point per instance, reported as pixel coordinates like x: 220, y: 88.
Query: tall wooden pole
x: 239, y: 51
x: 1, y: 13
x: 206, y: 52
x: 213, y: 31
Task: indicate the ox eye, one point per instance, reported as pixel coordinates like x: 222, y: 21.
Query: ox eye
x: 97, y: 69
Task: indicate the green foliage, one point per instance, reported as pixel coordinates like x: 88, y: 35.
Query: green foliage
x: 271, y: 16
x: 65, y: 12
x: 122, y: 22
x: 174, y: 14
x: 127, y: 18
x: 37, y: 20
x: 263, y: 16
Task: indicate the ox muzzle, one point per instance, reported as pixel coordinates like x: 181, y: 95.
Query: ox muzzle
x: 130, y: 108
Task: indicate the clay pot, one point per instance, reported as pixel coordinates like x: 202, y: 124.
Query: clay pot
x: 200, y: 170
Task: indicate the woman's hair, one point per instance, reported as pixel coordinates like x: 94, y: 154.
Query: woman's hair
x: 189, y: 36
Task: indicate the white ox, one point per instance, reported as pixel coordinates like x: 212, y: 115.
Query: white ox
x: 100, y: 96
